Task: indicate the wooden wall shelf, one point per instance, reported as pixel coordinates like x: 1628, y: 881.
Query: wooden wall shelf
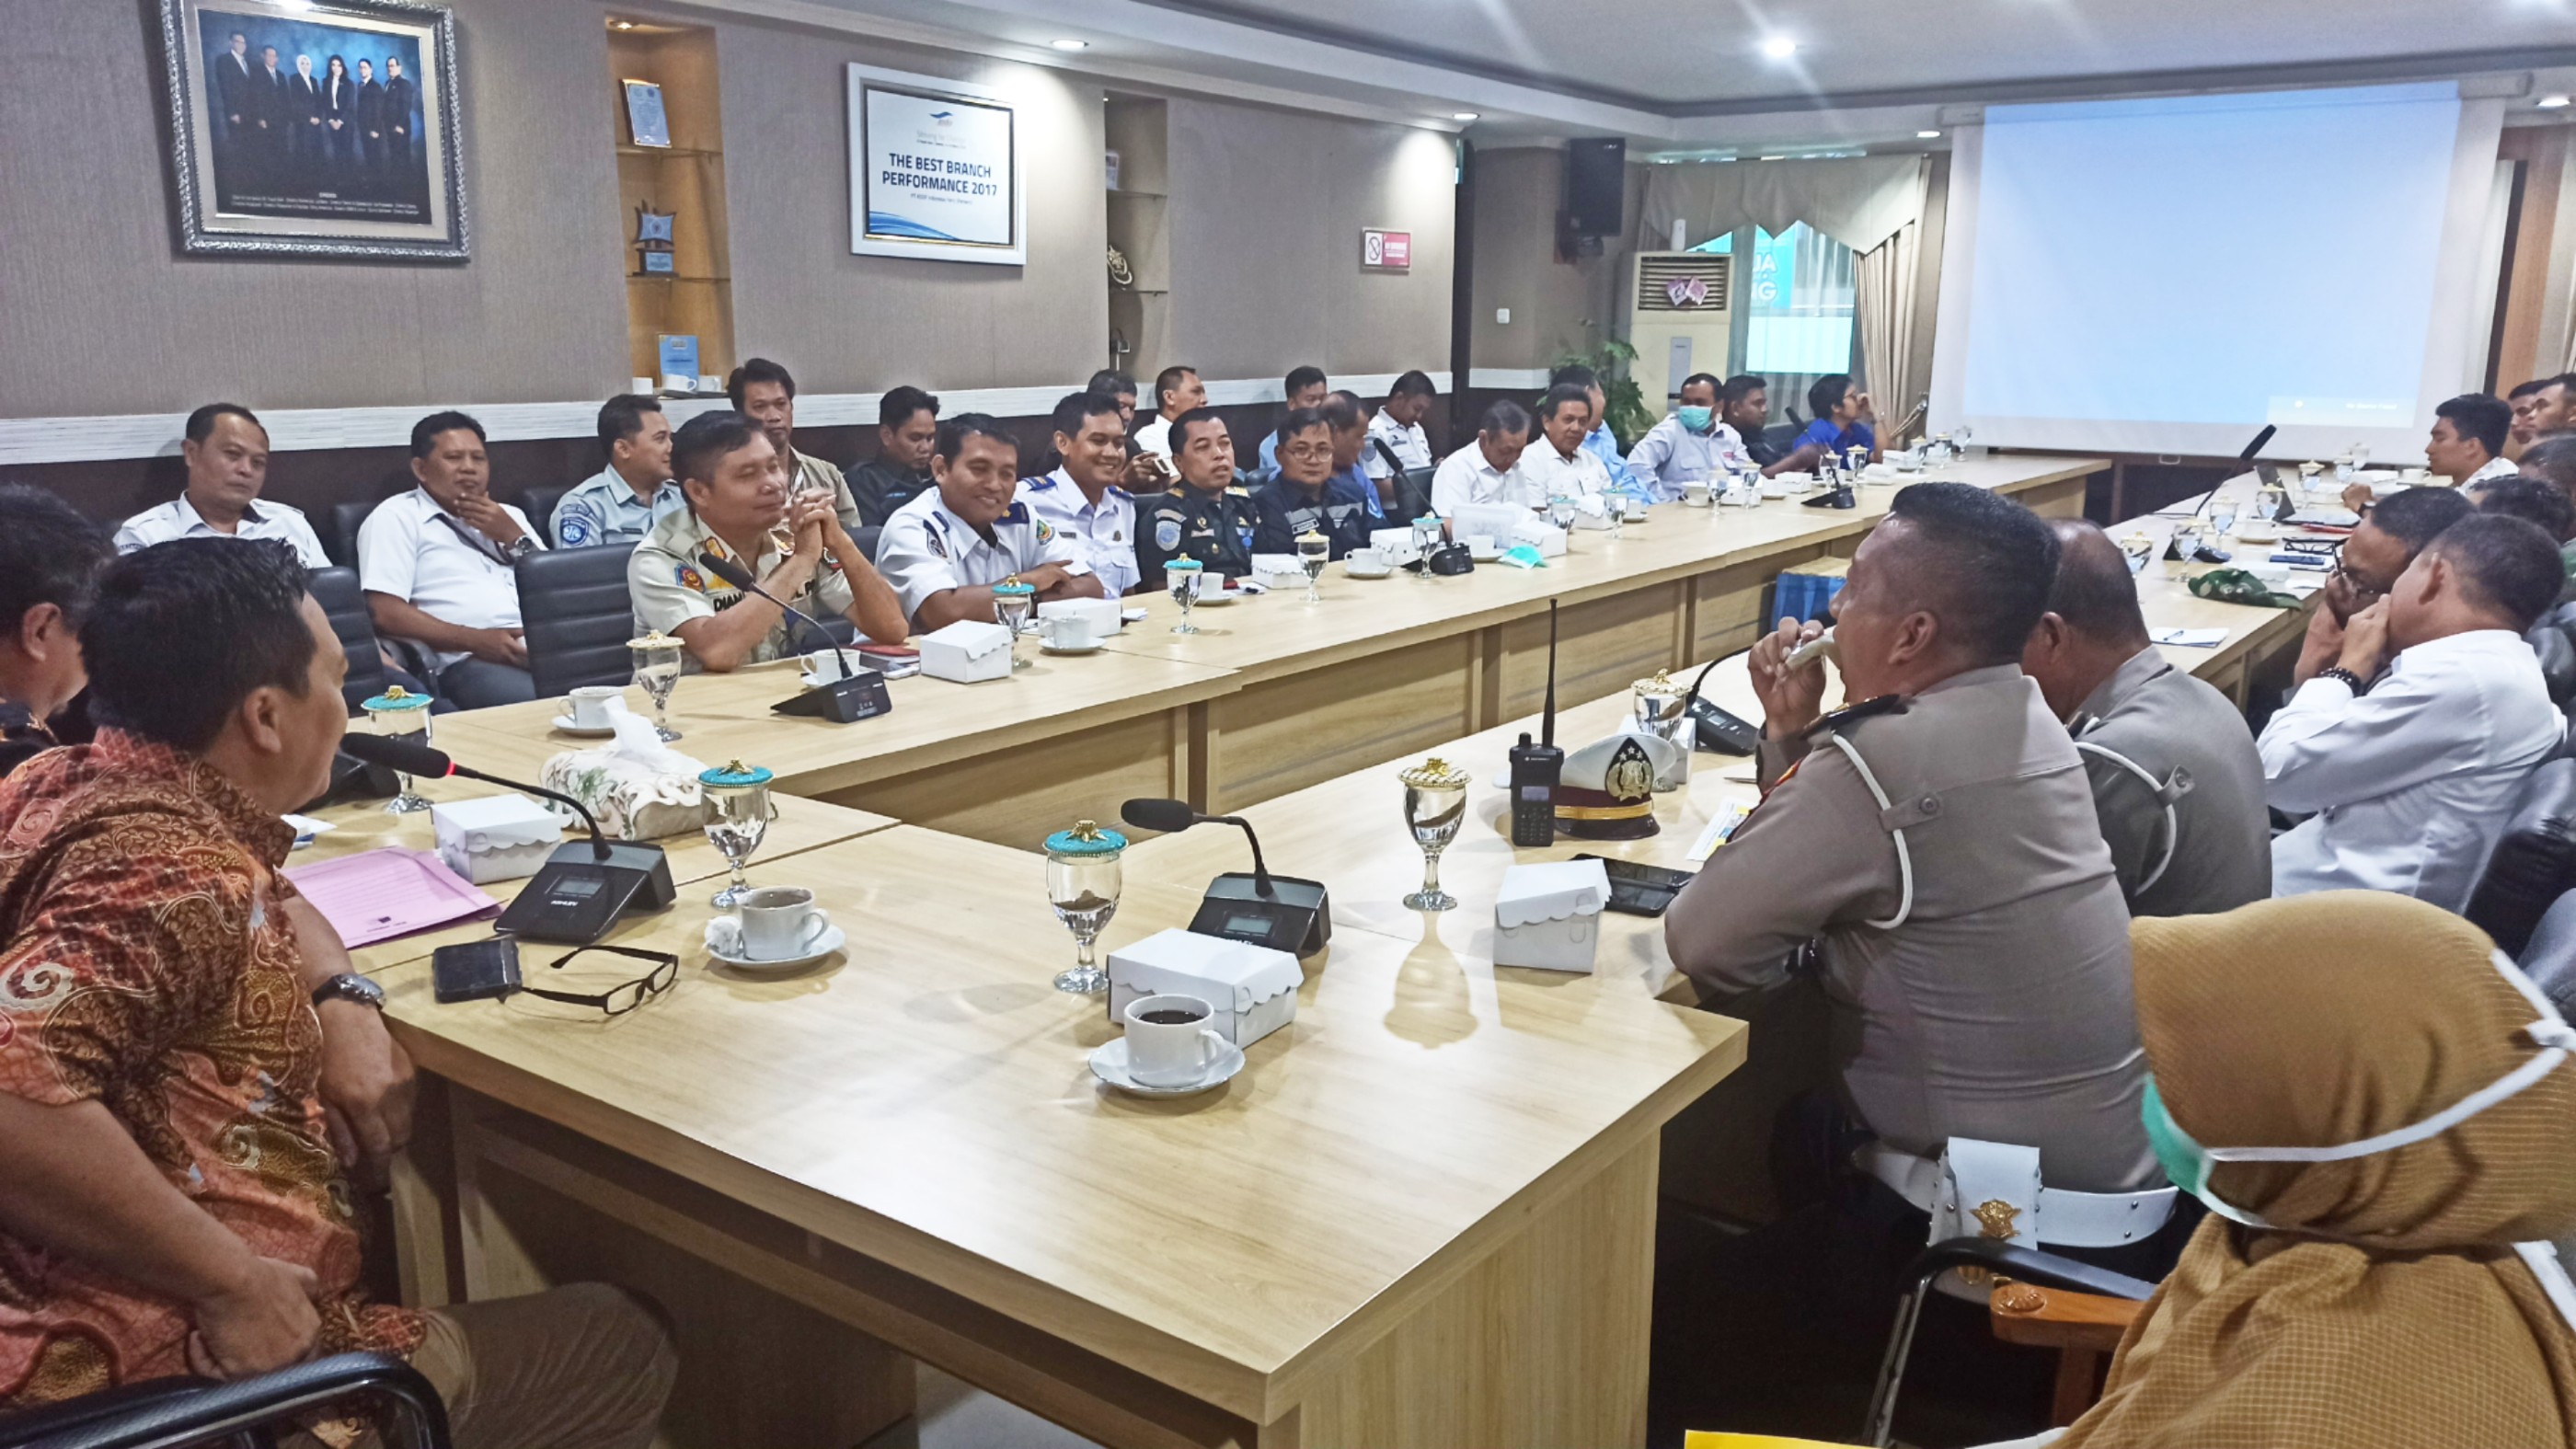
x: 685, y: 179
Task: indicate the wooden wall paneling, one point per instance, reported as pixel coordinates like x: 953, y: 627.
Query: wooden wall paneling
x: 1603, y: 646
x: 1018, y: 797
x: 2522, y: 352
x: 1280, y: 735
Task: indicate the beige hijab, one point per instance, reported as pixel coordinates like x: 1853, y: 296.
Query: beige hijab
x: 2386, y: 1306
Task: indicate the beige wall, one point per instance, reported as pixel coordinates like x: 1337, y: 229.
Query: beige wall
x: 1556, y: 307
x: 99, y: 313
x: 1266, y: 213
x: 846, y: 323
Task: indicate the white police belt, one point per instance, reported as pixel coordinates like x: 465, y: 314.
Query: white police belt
x: 1992, y: 1190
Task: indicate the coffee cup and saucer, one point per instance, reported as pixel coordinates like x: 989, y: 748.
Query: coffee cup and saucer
x: 591, y: 710
x: 775, y: 928
x: 1169, y: 1050
x: 1067, y: 634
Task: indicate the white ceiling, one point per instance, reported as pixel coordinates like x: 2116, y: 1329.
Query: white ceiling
x: 1687, y: 76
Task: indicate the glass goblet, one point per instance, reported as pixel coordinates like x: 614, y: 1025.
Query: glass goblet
x: 737, y: 818
x: 1313, y: 550
x: 1435, y: 805
x: 1012, y: 603
x: 658, y: 664
x: 1083, y: 880
x: 2222, y: 518
x: 400, y: 714
x: 1182, y: 576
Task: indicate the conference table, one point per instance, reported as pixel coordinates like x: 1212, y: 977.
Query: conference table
x: 1274, y: 694
x: 1422, y: 1215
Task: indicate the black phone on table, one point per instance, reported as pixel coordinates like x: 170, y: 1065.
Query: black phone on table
x: 474, y: 970
x: 1640, y: 890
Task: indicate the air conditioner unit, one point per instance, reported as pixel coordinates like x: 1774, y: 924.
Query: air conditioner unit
x: 1680, y: 319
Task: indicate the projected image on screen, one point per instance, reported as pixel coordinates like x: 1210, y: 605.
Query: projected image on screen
x: 2173, y: 274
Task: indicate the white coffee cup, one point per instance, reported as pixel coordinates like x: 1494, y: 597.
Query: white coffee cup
x: 1067, y: 631
x: 781, y: 923
x: 1174, y: 1051
x: 2415, y: 475
x: 825, y: 665
x: 590, y: 705
x: 1695, y: 492
x: 1366, y: 561
x: 1481, y: 545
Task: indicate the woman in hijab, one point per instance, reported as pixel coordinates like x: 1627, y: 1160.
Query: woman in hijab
x: 2378, y: 1110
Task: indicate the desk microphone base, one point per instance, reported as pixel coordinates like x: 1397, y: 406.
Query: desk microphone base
x: 843, y: 701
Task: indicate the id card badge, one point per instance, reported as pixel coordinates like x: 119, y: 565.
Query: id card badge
x: 1244, y: 532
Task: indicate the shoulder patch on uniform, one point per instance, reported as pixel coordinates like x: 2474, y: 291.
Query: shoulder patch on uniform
x: 1045, y: 533
x: 1167, y: 533
x: 937, y: 541
x: 573, y: 529
x: 690, y: 579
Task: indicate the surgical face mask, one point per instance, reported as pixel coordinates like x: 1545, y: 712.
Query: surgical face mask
x: 2189, y: 1164
x: 1696, y: 419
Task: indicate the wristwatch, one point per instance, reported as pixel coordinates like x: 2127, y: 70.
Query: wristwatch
x: 346, y: 987
x: 520, y: 547
x: 2352, y: 681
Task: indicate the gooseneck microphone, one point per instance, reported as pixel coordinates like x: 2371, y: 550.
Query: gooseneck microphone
x: 1168, y: 816
x: 740, y: 578
x: 858, y: 694
x: 396, y: 753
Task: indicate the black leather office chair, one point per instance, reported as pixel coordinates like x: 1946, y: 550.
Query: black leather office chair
x: 2550, y: 959
x: 340, y: 537
x: 577, y: 617
x: 539, y: 505
x: 2534, y: 863
x: 2553, y: 642
x: 336, y: 590
x: 2008, y: 1260
x: 867, y: 539
x: 1412, y: 496
x: 248, y: 1414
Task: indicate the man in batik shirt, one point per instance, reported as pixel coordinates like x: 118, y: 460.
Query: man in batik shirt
x: 182, y: 1041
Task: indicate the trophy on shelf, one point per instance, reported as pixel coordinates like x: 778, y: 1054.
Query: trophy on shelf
x: 654, y: 257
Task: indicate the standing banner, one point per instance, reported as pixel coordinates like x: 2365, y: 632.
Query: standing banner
x: 934, y: 170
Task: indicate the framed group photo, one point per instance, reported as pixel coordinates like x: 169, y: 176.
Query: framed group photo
x: 323, y: 128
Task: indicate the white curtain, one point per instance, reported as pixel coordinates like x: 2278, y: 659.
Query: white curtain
x: 1860, y: 202
x: 1884, y: 280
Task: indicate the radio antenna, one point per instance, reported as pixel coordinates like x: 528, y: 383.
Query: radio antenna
x: 1547, y: 722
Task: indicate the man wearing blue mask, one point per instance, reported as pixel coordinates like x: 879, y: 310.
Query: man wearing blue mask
x: 1690, y: 446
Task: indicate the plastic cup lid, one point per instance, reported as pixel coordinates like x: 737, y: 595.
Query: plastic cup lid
x: 735, y: 775
x: 1085, y: 838
x: 395, y: 700
x: 1013, y: 586
x: 1184, y: 562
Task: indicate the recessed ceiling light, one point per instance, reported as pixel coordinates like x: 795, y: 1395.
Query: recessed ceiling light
x: 1779, y: 47
x: 1070, y: 44
x: 2551, y: 103
x: 1462, y: 115
x: 1927, y: 135
x: 1775, y: 158
x: 623, y: 24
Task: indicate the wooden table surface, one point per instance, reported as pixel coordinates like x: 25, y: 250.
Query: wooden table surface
x: 1279, y: 632
x: 364, y: 825
x: 924, y: 1099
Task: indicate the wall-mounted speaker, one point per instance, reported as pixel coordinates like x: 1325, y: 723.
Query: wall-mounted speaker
x: 1596, y: 185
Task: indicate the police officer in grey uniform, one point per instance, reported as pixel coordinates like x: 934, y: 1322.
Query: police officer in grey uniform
x: 2177, y: 785
x: 1203, y: 517
x: 1937, y: 844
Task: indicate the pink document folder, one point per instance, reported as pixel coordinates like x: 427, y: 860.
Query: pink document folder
x: 377, y: 895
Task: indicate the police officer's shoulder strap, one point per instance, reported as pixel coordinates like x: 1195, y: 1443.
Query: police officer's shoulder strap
x: 1893, y: 817
x: 1851, y: 714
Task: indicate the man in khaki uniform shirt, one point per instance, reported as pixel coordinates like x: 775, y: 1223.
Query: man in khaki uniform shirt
x: 764, y: 392
x: 739, y: 497
x: 1977, y: 964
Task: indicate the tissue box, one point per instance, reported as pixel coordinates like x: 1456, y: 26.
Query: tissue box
x: 966, y: 652
x: 1102, y: 614
x: 1549, y: 916
x: 1253, y: 988
x: 498, y: 837
x: 1487, y: 520
x: 632, y: 800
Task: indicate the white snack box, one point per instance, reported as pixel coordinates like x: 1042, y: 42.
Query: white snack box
x: 495, y: 837
x: 1396, y: 544
x: 1253, y: 988
x: 1539, y: 534
x: 967, y: 651
x: 1549, y: 916
x: 1488, y: 520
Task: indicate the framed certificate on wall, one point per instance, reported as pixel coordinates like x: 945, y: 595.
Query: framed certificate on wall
x: 934, y: 170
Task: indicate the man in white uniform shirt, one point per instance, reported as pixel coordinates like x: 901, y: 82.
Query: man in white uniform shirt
x: 1396, y: 442
x: 226, y: 451
x: 1690, y: 446
x: 944, y: 551
x: 1081, y: 499
x: 1488, y: 469
x: 2411, y: 783
x: 439, y: 565
x: 1558, y: 465
x: 1177, y: 390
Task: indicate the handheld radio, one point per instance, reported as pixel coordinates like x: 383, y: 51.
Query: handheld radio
x: 1536, y: 767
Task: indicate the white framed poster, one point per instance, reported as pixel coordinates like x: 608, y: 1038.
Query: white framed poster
x: 934, y: 170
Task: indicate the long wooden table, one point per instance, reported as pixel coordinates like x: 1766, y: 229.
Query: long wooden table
x: 1423, y: 1216
x: 1276, y: 694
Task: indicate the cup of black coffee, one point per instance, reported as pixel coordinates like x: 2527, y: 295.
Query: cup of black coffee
x: 1169, y: 1040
